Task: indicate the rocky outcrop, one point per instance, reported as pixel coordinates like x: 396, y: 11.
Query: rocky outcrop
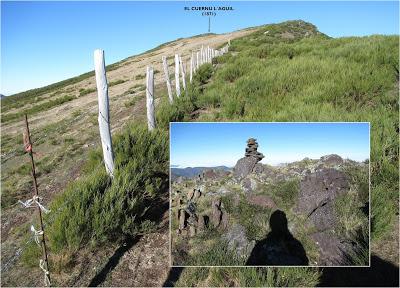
x: 258, y: 168
x: 316, y: 200
x: 319, y: 188
x: 332, y: 250
x: 216, y: 213
x: 238, y: 242
x: 245, y: 165
x: 332, y: 159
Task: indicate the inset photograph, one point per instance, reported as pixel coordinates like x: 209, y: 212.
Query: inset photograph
x: 269, y: 194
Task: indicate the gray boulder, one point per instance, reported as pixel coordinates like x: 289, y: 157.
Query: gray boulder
x: 201, y: 224
x: 238, y: 242
x: 216, y: 213
x: 324, y: 217
x: 258, y: 168
x: 244, y: 166
x: 319, y: 188
x: 332, y: 250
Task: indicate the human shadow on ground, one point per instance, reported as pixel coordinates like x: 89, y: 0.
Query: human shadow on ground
x: 173, y: 276
x: 279, y: 248
x: 381, y: 274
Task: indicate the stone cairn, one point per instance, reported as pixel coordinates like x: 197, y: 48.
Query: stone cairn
x: 251, y: 149
x: 244, y: 166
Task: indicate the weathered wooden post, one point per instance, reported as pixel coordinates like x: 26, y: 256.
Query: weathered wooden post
x: 197, y: 60
x: 104, y: 111
x: 191, y: 68
x: 183, y: 72
x: 166, y: 74
x: 43, y: 264
x: 151, y: 119
x: 177, y: 85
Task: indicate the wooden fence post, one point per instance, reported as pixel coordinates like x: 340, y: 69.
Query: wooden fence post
x: 28, y: 148
x: 104, y: 112
x: 166, y: 73
x: 183, y: 72
x: 177, y: 85
x: 197, y: 60
x: 151, y: 120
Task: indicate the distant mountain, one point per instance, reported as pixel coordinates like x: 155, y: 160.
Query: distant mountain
x: 2, y: 96
x: 190, y: 172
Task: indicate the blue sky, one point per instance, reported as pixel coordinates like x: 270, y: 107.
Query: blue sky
x: 45, y: 42
x: 214, y: 144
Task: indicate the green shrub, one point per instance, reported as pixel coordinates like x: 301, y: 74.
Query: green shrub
x: 203, y: 74
x: 140, y: 76
x: 133, y: 100
x: 255, y: 219
x: 217, y: 254
x: 286, y: 192
x: 350, y: 216
x: 116, y: 82
x: 179, y: 110
x: 95, y: 209
x: 84, y: 91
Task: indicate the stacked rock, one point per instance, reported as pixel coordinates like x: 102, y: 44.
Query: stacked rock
x: 251, y: 150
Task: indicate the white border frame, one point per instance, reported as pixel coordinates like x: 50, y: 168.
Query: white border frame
x: 245, y: 266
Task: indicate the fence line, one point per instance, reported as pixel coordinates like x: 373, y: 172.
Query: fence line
x: 198, y: 58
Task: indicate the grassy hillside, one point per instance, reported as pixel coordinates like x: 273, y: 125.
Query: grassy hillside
x: 268, y: 78
x: 271, y: 76
x: 282, y: 72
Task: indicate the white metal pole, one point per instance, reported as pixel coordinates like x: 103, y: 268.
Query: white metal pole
x: 191, y: 68
x: 151, y: 120
x: 167, y: 80
x: 183, y: 72
x: 202, y: 55
x: 104, y: 111
x: 177, y: 86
